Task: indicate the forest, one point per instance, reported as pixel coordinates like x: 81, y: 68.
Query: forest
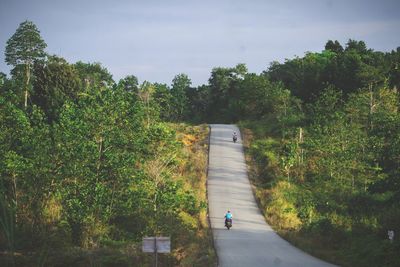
x: 89, y: 165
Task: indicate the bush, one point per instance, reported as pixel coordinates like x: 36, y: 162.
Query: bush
x: 281, y: 208
x: 264, y: 153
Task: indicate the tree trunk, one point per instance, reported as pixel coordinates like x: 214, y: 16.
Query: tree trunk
x: 76, y: 233
x: 15, y: 196
x: 100, y: 144
x: 371, y: 106
x: 28, y: 77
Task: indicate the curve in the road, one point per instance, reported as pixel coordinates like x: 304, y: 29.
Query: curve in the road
x: 251, y: 242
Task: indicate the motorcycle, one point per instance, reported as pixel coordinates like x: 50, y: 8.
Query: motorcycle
x: 234, y: 138
x: 228, y: 223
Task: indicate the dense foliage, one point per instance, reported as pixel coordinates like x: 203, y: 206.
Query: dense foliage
x: 89, y: 166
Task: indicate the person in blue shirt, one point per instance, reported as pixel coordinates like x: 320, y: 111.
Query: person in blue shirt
x: 228, y: 216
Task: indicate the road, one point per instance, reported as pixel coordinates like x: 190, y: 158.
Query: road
x: 251, y: 242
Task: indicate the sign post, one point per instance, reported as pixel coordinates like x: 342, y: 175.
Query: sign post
x: 156, y: 245
x: 391, y: 235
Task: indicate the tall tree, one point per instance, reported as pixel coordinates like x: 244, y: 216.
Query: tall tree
x: 129, y: 83
x: 224, y: 83
x: 55, y: 82
x: 334, y: 46
x: 358, y: 46
x: 180, y: 85
x: 24, y: 48
x: 94, y: 75
x: 3, y: 78
x: 163, y: 101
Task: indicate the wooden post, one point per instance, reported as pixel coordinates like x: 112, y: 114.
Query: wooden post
x: 155, y: 252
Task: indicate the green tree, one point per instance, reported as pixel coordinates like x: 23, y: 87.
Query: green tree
x: 56, y: 82
x: 25, y: 163
x: 99, y: 141
x: 305, y: 77
x: 334, y: 46
x: 180, y: 85
x: 255, y: 96
x: 25, y: 47
x: 198, y: 103
x: 394, y: 73
x: 163, y: 101
x: 224, y: 93
x: 129, y: 83
x: 3, y: 78
x: 146, y: 100
x: 359, y: 46
x: 94, y: 76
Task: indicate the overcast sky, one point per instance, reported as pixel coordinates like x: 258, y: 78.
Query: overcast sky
x: 155, y: 40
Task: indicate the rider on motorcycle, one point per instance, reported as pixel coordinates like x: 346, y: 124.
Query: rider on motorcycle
x: 234, y: 136
x: 228, y: 217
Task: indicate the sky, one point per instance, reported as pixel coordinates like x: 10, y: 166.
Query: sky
x: 158, y: 39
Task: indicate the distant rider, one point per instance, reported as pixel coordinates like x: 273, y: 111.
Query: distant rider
x: 234, y: 136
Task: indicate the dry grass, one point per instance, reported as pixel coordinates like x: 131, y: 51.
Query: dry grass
x: 198, y: 250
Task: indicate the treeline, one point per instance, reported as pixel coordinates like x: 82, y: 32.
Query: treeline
x: 89, y: 166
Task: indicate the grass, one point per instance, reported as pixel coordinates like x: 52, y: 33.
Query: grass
x: 199, y: 250
x: 285, y: 224
x: 338, y: 238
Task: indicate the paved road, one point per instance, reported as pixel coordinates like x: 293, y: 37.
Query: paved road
x: 251, y: 242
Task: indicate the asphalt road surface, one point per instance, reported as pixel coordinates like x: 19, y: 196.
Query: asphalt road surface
x: 251, y: 242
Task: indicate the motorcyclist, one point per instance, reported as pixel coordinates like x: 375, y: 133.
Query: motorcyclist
x: 234, y: 136
x: 228, y: 217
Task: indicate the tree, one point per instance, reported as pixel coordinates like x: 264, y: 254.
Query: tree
x: 180, y: 85
x: 129, y: 83
x: 253, y: 94
x: 3, y: 79
x: 334, y: 46
x: 56, y: 82
x: 198, y: 102
x: 94, y: 76
x: 163, y: 101
x: 358, y: 46
x: 306, y: 77
x: 99, y: 140
x: 224, y: 93
x: 146, y: 94
x: 394, y: 73
x: 25, y: 47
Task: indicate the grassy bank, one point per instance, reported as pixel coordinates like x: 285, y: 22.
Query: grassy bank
x: 197, y: 246
x: 325, y: 221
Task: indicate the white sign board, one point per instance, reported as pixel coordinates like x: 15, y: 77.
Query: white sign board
x: 163, y: 244
x: 148, y: 244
